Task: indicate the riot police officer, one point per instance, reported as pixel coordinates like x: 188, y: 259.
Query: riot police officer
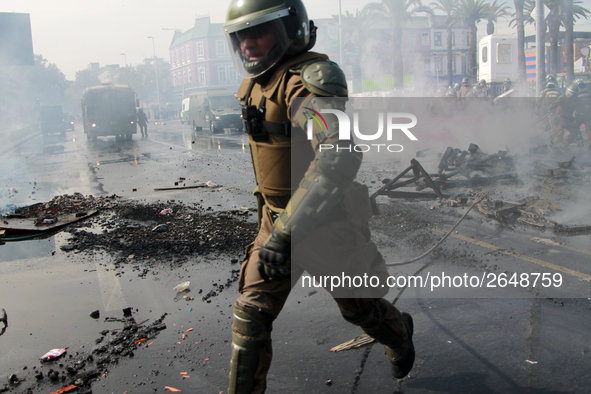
x: 270, y: 42
x: 546, y: 100
x: 465, y: 89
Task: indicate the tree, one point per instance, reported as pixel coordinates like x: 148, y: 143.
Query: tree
x: 354, y: 33
x: 84, y: 79
x: 520, y: 25
x: 24, y: 88
x: 395, y: 13
x: 470, y: 12
x: 493, y: 13
x: 556, y: 19
x: 528, y: 19
x: 447, y: 6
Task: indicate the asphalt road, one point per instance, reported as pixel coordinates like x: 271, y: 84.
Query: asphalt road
x: 512, y: 340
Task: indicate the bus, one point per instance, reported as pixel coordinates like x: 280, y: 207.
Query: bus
x: 109, y: 110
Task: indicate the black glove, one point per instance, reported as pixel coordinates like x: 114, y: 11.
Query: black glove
x: 273, y: 258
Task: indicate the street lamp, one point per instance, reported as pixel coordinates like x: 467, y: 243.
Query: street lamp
x: 124, y: 58
x: 156, y: 75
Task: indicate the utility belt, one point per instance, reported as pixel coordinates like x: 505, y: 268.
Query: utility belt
x: 255, y: 124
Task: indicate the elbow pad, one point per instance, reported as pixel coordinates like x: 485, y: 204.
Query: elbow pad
x: 319, y: 193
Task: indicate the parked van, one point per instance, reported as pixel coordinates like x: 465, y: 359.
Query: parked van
x: 185, y: 111
x: 215, y: 110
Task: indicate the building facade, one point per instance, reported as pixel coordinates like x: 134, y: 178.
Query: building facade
x: 200, y: 59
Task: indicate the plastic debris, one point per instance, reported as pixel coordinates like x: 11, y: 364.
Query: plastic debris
x: 95, y: 314
x: 182, y: 286
x: 165, y: 212
x: 65, y: 389
x: 53, y: 354
x: 44, y: 222
x: 159, y: 227
x: 172, y: 389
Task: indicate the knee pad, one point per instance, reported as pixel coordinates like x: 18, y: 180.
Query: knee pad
x: 251, y: 324
x: 250, y: 334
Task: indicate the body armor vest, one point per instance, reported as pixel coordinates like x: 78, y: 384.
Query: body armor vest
x: 273, y: 145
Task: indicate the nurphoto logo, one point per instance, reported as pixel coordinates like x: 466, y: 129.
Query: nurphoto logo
x: 394, y: 122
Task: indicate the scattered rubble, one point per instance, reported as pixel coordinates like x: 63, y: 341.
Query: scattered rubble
x: 82, y: 368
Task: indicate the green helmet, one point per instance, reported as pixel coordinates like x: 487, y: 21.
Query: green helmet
x: 283, y: 24
x: 465, y: 81
x: 573, y: 90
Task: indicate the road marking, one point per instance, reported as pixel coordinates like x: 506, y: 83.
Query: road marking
x: 110, y: 286
x: 562, y: 246
x: 519, y: 256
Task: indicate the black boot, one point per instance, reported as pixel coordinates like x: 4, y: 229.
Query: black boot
x: 403, y: 358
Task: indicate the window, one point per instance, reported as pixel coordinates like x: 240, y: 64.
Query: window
x: 184, y: 77
x: 188, y: 58
x: 200, y: 51
x: 220, y: 46
x: 439, y: 63
x: 425, y: 39
x: 201, y: 71
x: 437, y: 39
x: 183, y: 54
x: 453, y: 65
x: 172, y: 56
x: 484, y: 54
x: 178, y: 57
x: 180, y: 79
x: 232, y: 73
x: 453, y: 38
x: 189, y: 75
x: 503, y: 53
x: 223, y: 73
x: 426, y: 64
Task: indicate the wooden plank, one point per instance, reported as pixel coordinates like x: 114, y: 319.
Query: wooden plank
x: 181, y: 187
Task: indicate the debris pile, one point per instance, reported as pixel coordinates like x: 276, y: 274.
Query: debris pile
x: 80, y: 369
x: 63, y: 205
x: 134, y: 229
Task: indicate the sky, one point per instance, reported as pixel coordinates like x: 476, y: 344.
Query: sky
x: 74, y: 33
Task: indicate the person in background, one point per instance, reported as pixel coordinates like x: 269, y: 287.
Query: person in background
x: 142, y: 121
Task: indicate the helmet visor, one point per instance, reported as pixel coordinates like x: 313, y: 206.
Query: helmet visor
x: 255, y: 49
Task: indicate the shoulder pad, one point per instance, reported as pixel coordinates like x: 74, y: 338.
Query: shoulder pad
x: 324, y: 78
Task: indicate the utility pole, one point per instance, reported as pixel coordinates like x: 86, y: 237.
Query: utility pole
x: 156, y: 76
x: 340, y: 38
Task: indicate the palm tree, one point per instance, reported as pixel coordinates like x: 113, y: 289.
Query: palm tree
x: 355, y: 31
x: 470, y: 12
x: 447, y: 6
x: 493, y: 13
x: 568, y: 38
x: 528, y: 19
x: 519, y: 22
x: 555, y: 20
x: 395, y: 13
